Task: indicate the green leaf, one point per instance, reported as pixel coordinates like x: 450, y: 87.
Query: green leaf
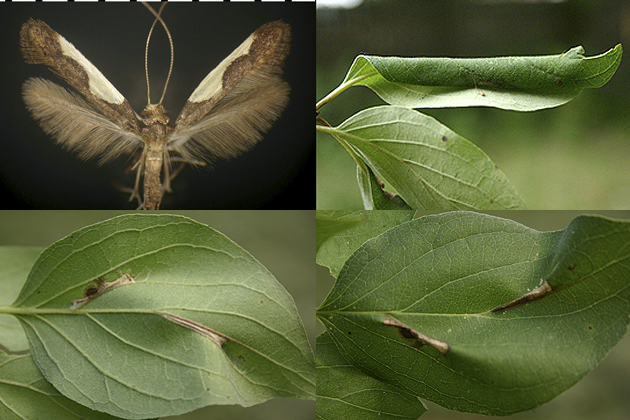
x: 517, y: 83
x: 157, y: 346
x: 344, y: 392
x: 15, y: 263
x: 337, y: 249
x: 328, y: 227
x: 430, y: 166
x: 442, y: 275
x: 26, y: 395
x: 374, y: 196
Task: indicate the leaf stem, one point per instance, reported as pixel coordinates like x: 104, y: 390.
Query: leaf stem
x: 343, y: 86
x: 334, y: 132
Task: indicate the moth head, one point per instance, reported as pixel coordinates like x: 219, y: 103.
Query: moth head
x: 155, y: 113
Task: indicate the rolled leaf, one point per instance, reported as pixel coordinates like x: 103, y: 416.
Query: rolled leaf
x: 516, y: 83
x: 374, y: 196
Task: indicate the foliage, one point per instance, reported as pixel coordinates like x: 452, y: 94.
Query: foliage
x: 456, y: 278
x: 428, y: 165
x: 143, y: 316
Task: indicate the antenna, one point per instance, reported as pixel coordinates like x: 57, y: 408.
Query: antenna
x: 146, y: 53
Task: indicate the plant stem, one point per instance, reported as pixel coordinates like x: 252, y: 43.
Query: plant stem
x: 345, y: 85
x: 333, y: 132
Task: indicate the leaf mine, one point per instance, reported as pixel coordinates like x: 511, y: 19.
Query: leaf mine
x: 99, y: 286
x: 213, y: 335
x: 121, y: 355
x: 542, y: 290
x: 409, y: 334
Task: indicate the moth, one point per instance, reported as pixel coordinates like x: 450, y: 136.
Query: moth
x: 225, y: 116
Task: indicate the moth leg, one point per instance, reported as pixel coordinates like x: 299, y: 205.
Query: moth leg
x: 173, y: 175
x: 184, y: 161
x: 166, y: 186
x: 134, y: 194
x: 136, y: 188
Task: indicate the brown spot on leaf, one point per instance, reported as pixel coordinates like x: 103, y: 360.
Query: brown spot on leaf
x: 99, y: 287
x: 406, y: 333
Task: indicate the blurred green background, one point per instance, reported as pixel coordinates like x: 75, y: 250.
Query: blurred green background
x: 571, y: 157
x: 283, y: 241
x: 602, y: 394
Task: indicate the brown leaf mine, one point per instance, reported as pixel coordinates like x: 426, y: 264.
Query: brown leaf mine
x: 410, y: 334
x: 98, y: 287
x: 542, y: 290
x: 213, y: 335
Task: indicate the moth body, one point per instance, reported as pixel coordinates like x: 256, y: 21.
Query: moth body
x: 224, y: 117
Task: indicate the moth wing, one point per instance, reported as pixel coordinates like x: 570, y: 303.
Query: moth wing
x: 75, y: 123
x: 40, y: 44
x: 238, y: 101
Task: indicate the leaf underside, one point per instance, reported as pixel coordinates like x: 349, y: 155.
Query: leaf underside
x: 16, y: 261
x: 119, y: 352
x: 442, y: 275
x: 334, y: 252
x: 26, y: 395
x: 344, y: 392
x: 430, y: 166
x: 373, y: 194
